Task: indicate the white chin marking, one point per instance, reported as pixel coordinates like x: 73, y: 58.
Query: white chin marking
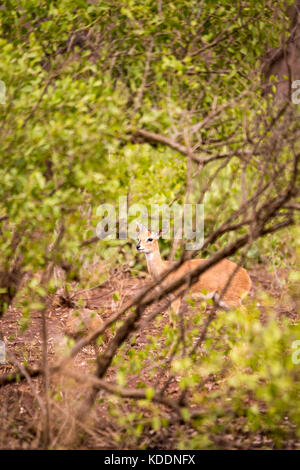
x: 149, y: 256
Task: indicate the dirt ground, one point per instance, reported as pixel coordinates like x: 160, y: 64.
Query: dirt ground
x: 18, y: 409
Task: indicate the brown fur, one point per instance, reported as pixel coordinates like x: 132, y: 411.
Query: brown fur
x: 212, y: 281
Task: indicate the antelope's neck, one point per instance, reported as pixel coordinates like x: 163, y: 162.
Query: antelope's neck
x: 155, y: 264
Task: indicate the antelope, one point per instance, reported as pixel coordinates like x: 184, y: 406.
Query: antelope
x: 213, y: 280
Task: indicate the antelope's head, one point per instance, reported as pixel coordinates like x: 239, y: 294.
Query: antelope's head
x: 147, y: 240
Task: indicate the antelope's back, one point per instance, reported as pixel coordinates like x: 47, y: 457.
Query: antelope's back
x: 216, y: 278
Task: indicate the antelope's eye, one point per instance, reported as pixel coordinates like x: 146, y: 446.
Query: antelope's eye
x: 150, y: 240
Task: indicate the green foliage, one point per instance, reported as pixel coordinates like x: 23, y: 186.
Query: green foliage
x: 65, y: 143
x: 81, y: 77
x: 243, y: 377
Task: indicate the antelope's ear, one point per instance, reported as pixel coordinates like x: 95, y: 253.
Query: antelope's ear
x: 141, y: 227
x: 156, y: 235
x: 161, y: 233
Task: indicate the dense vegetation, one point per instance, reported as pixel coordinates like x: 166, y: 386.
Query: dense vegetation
x: 155, y: 101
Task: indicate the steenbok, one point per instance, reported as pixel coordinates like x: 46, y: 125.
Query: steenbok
x: 211, y: 281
